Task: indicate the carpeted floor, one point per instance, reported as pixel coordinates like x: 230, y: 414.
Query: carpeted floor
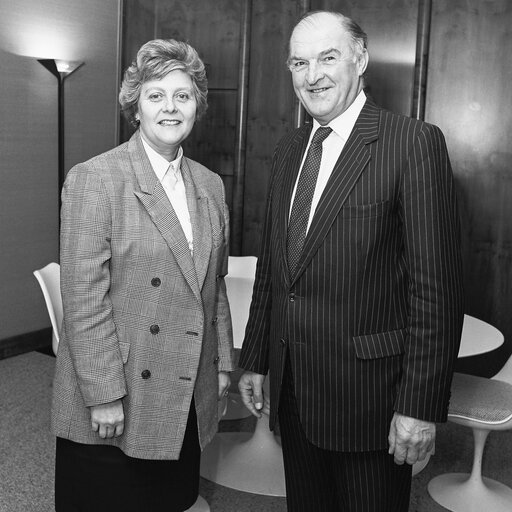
x: 27, y: 449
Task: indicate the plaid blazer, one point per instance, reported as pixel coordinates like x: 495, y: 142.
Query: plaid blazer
x: 144, y: 320
x: 372, y: 320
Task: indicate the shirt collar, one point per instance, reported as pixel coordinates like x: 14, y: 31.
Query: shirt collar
x: 160, y: 164
x: 344, y: 123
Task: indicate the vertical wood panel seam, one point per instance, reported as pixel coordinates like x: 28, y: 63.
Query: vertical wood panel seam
x: 421, y: 64
x: 241, y: 135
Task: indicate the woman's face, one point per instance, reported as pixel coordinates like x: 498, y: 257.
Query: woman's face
x: 167, y: 112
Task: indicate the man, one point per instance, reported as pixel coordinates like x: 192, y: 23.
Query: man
x: 357, y: 305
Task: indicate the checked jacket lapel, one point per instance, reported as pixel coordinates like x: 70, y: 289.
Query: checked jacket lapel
x: 154, y: 199
x: 197, y: 201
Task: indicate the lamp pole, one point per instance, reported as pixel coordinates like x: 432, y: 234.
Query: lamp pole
x: 61, y: 70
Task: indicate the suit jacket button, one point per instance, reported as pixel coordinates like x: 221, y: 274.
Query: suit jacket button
x: 215, y: 320
x: 291, y: 297
x: 156, y: 282
x: 154, y: 329
x: 216, y: 360
x: 146, y: 374
x: 282, y: 341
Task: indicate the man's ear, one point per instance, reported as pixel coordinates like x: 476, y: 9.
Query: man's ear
x: 362, y: 61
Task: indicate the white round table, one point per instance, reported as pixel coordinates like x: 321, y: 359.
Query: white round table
x: 478, y: 337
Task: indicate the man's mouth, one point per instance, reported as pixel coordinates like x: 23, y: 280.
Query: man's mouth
x: 318, y: 90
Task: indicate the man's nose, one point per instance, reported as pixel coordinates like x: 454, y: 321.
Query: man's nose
x: 314, y: 73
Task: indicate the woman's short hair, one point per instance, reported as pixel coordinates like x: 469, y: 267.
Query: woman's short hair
x: 155, y: 59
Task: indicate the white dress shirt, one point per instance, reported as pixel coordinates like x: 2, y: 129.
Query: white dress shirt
x: 331, y: 148
x: 169, y: 174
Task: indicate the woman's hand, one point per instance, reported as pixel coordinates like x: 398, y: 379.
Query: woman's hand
x: 108, y: 419
x: 224, y: 383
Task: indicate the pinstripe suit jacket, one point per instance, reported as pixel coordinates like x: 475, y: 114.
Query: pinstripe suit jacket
x: 373, y: 318
x: 143, y: 319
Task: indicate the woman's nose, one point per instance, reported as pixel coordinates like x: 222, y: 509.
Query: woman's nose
x: 169, y: 105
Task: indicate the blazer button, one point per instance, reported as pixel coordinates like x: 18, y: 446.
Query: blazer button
x: 291, y: 297
x: 146, y: 374
x: 283, y: 342
x: 156, y: 282
x: 216, y: 360
x: 215, y: 320
x: 154, y: 329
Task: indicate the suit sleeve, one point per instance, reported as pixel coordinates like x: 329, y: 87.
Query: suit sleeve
x: 432, y: 252
x: 85, y: 254
x: 224, y: 326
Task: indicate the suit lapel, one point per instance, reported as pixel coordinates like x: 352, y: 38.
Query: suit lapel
x: 155, y: 201
x: 197, y: 202
x: 351, y: 163
x: 292, y: 159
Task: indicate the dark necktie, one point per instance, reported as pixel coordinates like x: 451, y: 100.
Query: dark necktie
x: 299, y: 215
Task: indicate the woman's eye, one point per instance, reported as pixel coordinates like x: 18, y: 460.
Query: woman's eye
x: 155, y: 96
x: 183, y: 96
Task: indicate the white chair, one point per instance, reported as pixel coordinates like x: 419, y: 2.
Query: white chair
x: 482, y: 405
x: 49, y: 280
x: 200, y: 505
x: 239, y: 284
x: 250, y: 462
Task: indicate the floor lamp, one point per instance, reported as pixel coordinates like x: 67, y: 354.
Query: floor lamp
x: 61, y: 69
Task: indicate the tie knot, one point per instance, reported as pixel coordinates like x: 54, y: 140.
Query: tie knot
x: 321, y: 134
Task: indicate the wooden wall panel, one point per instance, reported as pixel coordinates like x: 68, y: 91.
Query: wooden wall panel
x: 139, y: 18
x: 212, y: 28
x: 270, y: 109
x: 468, y: 96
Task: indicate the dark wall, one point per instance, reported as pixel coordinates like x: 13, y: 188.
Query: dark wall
x: 467, y: 95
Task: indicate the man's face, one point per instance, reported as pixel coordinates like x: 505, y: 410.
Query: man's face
x: 326, y: 73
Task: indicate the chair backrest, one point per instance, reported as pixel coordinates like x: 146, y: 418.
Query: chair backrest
x: 49, y: 280
x: 239, y: 284
x: 505, y: 374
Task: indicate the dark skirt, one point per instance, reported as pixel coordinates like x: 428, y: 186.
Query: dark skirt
x: 97, y: 478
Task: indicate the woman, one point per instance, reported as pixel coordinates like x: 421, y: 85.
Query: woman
x: 147, y: 336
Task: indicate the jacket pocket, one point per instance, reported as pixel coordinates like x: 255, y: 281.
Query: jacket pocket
x: 125, y: 350
x: 381, y: 344
x: 360, y: 211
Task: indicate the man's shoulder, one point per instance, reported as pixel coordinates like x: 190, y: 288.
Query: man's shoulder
x: 395, y: 120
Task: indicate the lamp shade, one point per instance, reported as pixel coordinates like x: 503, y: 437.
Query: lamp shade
x: 60, y: 68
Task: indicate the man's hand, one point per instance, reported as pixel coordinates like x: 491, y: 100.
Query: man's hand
x: 410, y: 439
x: 250, y: 386
x: 108, y: 419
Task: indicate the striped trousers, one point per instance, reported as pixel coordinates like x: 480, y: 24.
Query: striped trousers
x: 326, y: 481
